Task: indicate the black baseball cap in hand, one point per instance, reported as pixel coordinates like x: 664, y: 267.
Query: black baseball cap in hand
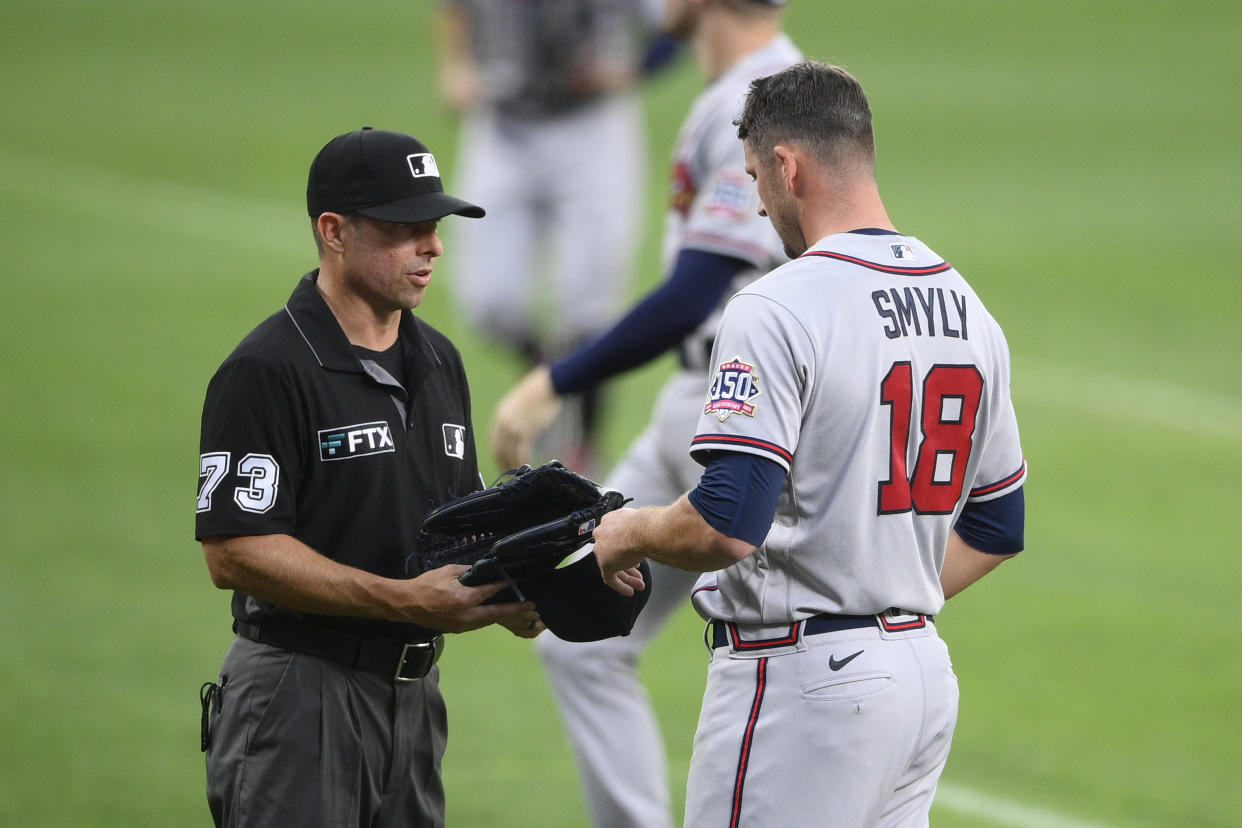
x: 386, y: 175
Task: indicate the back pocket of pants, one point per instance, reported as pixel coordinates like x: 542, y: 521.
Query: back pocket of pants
x: 853, y: 686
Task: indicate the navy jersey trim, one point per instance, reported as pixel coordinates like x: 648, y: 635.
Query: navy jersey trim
x: 916, y: 623
x: 789, y: 639
x: 1000, y: 484
x: 734, y: 440
x: 930, y: 270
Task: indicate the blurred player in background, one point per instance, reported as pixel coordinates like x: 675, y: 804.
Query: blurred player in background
x: 552, y: 140
x: 715, y: 242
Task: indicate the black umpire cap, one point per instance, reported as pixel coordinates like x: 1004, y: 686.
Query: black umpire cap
x: 386, y: 175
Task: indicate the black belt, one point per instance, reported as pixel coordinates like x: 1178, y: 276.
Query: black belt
x: 892, y: 620
x: 402, y: 660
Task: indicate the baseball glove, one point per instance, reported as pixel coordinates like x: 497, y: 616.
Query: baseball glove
x: 518, y: 527
x: 524, y: 530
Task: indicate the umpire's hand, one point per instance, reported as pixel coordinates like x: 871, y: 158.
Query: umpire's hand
x: 438, y: 600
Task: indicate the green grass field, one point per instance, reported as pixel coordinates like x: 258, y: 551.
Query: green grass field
x: 1079, y: 162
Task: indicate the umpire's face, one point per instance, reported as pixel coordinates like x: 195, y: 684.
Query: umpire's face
x: 385, y: 264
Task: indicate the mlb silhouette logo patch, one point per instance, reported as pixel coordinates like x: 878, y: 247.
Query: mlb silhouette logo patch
x: 423, y: 165
x: 902, y: 252
x: 454, y: 440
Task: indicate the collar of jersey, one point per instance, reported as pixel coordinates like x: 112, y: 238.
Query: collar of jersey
x: 323, y: 334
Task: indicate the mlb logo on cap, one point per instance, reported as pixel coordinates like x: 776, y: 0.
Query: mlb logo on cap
x: 422, y: 164
x: 365, y: 171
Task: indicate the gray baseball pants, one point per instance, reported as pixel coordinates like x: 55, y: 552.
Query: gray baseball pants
x: 300, y: 740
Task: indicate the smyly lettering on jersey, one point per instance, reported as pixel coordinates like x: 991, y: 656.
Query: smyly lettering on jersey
x: 915, y: 311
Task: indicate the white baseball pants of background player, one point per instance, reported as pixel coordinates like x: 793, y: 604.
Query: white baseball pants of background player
x: 612, y: 728
x: 557, y: 244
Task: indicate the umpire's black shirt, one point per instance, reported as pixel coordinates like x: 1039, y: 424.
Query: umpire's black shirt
x: 301, y: 437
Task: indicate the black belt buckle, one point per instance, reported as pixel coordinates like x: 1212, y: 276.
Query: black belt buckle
x: 418, y: 658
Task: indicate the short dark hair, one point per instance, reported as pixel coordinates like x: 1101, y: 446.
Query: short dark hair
x: 816, y: 105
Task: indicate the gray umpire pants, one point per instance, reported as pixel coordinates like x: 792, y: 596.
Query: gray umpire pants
x: 300, y: 740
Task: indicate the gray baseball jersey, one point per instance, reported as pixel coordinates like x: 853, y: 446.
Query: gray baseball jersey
x: 871, y: 371
x: 713, y: 203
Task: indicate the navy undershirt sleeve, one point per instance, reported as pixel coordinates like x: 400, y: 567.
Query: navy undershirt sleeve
x: 737, y: 494
x: 666, y: 316
x: 661, y: 51
x: 995, y: 526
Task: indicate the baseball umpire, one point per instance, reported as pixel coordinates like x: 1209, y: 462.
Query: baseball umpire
x: 327, y: 435
x: 862, y: 464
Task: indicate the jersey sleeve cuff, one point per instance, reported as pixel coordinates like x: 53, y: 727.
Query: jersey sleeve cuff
x: 703, y: 444
x: 1000, y: 488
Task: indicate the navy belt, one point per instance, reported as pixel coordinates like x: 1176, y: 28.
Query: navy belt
x: 892, y: 620
x: 402, y: 660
